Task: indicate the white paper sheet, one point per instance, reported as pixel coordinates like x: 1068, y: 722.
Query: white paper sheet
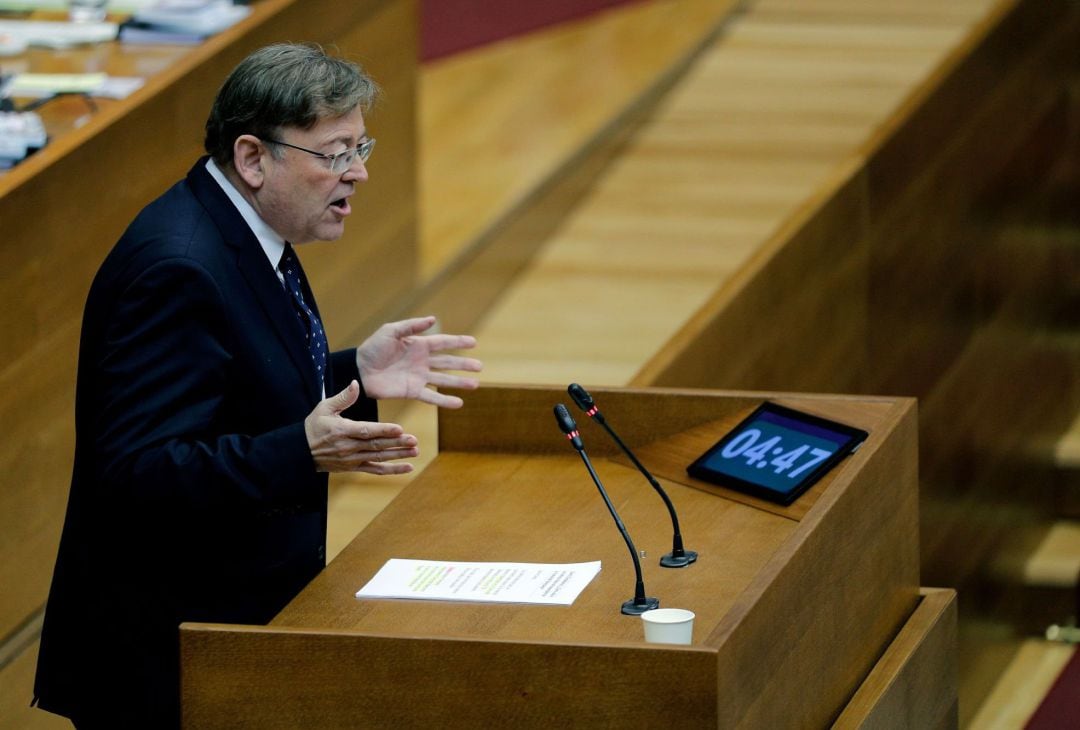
x: 440, y: 580
x: 58, y: 33
x: 39, y: 86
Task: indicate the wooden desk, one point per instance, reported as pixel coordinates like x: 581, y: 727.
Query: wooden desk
x: 64, y: 207
x: 794, y: 606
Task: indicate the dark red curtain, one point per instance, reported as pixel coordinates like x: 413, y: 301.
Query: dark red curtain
x: 449, y: 26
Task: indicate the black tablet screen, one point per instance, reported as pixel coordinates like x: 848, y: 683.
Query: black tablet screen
x: 776, y: 453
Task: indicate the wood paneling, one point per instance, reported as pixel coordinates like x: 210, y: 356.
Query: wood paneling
x: 363, y: 276
x: 280, y: 678
x: 853, y: 528
x: 914, y: 684
x: 796, y: 313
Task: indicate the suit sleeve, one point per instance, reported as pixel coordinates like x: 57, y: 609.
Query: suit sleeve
x: 163, y: 366
x: 344, y: 370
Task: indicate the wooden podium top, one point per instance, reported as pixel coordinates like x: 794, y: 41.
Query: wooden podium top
x: 532, y: 500
x: 794, y: 605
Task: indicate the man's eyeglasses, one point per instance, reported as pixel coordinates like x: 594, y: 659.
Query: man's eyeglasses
x: 339, y: 161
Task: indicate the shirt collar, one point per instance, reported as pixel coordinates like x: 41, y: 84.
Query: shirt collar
x: 273, y: 245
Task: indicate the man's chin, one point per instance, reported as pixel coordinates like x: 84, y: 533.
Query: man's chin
x: 330, y: 233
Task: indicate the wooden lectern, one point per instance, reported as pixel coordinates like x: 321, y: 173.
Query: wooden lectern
x: 805, y: 614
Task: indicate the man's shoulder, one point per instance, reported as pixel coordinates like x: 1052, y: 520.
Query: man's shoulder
x: 179, y: 222
x: 177, y: 206
x: 170, y: 227
x: 191, y: 226
x: 173, y: 230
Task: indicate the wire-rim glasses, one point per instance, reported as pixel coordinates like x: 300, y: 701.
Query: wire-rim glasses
x: 339, y: 161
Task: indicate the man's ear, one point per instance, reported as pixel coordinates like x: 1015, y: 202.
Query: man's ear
x: 248, y: 151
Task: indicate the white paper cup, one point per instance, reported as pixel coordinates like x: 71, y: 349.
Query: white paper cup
x: 668, y: 625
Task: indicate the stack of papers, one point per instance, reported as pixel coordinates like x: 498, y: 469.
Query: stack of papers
x: 57, y: 34
x: 114, y: 6
x: 181, y: 21
x: 39, y: 86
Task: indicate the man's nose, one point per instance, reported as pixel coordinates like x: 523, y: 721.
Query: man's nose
x: 357, y: 171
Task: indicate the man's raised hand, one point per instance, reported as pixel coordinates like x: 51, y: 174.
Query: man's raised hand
x: 399, y: 361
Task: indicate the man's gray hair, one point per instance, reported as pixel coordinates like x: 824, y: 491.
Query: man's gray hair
x: 284, y: 85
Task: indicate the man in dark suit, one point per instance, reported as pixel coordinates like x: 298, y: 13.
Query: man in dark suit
x: 208, y: 410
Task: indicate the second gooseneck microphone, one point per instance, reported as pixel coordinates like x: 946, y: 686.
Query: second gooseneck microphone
x: 679, y: 557
x: 640, y: 603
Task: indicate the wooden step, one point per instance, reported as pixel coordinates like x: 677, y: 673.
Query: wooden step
x: 1044, y: 556
x: 1066, y: 458
x: 498, y: 122
x: 1037, y: 262
x: 1066, y: 451
x: 1031, y: 581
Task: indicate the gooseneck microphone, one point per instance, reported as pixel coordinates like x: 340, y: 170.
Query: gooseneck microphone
x: 640, y: 603
x: 679, y: 557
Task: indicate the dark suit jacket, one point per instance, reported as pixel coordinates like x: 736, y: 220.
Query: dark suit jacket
x: 194, y: 496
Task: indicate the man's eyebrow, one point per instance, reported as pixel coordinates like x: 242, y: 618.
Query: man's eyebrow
x: 348, y: 139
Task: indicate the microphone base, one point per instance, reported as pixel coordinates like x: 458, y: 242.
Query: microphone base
x: 679, y: 561
x: 634, y: 609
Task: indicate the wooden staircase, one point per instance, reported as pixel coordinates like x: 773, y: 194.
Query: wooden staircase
x: 1027, y: 599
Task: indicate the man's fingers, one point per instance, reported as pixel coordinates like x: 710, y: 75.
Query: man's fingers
x: 391, y: 448
x: 447, y: 380
x: 442, y: 400
x: 366, y: 460
x: 385, y: 469
x: 454, y: 362
x: 341, y: 401
x: 438, y: 343
x: 366, y: 433
x: 414, y: 326
x: 356, y: 457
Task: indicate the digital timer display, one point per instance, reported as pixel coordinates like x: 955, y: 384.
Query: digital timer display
x: 776, y: 453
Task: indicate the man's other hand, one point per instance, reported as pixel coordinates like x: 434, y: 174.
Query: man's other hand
x: 339, y: 444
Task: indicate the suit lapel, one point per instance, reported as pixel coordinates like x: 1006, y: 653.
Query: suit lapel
x: 256, y: 271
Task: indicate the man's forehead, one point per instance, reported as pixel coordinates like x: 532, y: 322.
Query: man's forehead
x: 349, y: 125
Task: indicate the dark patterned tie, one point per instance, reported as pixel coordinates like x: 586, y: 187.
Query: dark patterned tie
x: 313, y: 330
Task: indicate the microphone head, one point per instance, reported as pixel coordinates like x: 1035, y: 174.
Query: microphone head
x: 568, y: 426
x: 581, y: 397
x: 564, y: 419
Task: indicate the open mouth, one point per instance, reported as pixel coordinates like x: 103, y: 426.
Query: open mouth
x: 341, y: 206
